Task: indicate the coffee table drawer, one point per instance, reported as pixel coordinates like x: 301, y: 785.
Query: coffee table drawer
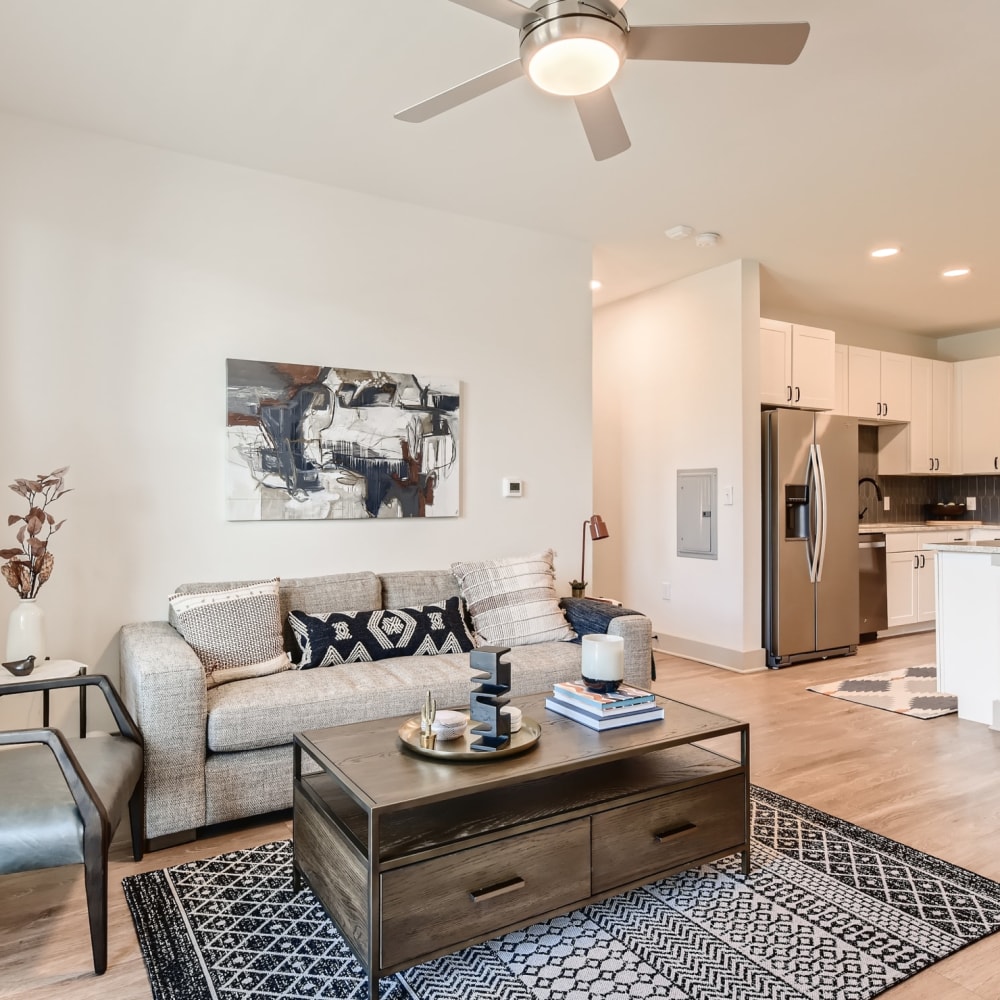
x: 652, y: 836
x: 437, y: 903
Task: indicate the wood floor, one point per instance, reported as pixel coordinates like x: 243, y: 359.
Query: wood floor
x: 932, y: 784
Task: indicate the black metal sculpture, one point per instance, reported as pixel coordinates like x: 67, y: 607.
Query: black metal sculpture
x: 489, y: 697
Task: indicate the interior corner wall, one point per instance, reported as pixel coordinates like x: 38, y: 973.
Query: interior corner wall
x: 676, y: 386
x: 129, y: 274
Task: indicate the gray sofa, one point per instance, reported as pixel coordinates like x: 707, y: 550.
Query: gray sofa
x: 224, y: 753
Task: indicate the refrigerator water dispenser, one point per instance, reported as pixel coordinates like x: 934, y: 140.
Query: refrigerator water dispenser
x: 796, y: 511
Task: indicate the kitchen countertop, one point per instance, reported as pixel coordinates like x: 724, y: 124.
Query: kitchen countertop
x: 977, y: 548
x: 895, y: 526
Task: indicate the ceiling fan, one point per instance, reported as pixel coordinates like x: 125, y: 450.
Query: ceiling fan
x: 575, y: 48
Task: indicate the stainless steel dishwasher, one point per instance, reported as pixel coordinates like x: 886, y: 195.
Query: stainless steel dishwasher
x: 872, y: 591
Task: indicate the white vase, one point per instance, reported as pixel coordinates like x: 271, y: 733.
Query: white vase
x: 26, y: 631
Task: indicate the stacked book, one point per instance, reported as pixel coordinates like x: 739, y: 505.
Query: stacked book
x: 625, y: 707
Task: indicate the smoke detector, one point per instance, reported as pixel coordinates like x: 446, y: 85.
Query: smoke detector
x: 706, y: 239
x: 680, y: 232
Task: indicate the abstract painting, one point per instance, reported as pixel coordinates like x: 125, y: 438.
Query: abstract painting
x: 307, y: 442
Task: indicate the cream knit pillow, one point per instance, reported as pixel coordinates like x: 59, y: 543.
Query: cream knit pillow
x: 236, y: 633
x: 513, y: 602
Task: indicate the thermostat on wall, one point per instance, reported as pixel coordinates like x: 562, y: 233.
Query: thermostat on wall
x: 513, y: 487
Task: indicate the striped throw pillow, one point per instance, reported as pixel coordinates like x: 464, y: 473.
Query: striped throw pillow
x: 513, y: 601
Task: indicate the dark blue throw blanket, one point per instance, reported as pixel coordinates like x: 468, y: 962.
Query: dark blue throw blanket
x: 590, y: 617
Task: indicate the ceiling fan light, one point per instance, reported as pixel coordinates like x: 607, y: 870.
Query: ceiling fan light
x: 571, y: 67
x: 571, y: 54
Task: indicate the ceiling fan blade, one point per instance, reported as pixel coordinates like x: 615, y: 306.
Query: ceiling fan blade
x: 777, y: 44
x: 603, y: 124
x: 508, y: 11
x: 475, y: 87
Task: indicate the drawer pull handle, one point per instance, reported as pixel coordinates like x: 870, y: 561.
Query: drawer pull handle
x: 500, y: 889
x: 674, y: 831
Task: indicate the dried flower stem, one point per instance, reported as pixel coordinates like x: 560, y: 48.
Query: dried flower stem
x: 30, y: 565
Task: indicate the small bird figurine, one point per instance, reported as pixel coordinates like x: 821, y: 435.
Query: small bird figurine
x: 21, y: 668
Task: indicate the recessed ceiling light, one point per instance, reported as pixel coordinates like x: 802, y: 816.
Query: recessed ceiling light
x: 594, y: 284
x: 885, y: 252
x: 956, y: 272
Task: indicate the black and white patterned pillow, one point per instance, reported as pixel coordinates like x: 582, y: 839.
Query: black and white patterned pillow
x: 363, y: 636
x: 236, y: 633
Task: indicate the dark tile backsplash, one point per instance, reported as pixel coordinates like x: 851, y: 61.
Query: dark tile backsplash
x: 909, y: 495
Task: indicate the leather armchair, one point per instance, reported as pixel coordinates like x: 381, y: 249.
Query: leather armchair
x: 61, y: 799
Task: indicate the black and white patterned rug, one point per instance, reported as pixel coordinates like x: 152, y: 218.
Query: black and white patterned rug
x: 830, y: 911
x: 906, y: 690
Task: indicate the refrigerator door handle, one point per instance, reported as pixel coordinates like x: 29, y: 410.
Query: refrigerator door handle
x: 815, y: 514
x: 821, y: 548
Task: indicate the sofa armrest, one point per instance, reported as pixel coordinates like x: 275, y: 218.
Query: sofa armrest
x: 589, y: 617
x: 163, y: 686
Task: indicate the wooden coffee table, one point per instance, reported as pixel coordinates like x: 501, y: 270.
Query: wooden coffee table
x: 415, y: 857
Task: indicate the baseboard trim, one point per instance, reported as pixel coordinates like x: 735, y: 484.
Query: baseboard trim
x: 911, y: 629
x: 749, y: 662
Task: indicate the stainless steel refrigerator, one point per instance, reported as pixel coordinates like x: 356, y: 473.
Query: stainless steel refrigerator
x: 810, y: 477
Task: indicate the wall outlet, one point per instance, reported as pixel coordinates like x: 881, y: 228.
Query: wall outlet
x: 970, y: 503
x: 666, y: 591
x: 885, y: 503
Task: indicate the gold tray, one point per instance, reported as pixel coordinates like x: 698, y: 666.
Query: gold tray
x: 461, y: 748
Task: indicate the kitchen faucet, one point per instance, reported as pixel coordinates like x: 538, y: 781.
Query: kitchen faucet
x: 878, y: 492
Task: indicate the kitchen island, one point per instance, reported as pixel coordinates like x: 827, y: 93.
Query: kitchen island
x: 967, y: 585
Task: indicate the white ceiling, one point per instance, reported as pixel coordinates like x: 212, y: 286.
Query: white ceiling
x: 884, y: 131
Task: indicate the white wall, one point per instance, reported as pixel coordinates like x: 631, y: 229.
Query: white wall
x: 129, y: 274
x: 967, y: 346
x: 676, y: 385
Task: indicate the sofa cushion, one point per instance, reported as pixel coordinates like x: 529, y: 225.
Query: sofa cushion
x: 338, y: 637
x: 412, y: 588
x: 266, y: 711
x: 513, y: 602
x: 236, y: 633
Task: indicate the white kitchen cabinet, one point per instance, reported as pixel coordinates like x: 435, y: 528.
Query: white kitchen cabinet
x: 924, y: 575
x: 796, y: 365
x: 977, y: 386
x: 909, y: 574
x: 878, y: 386
x: 840, y: 379
x: 987, y: 533
x: 901, y: 588
x: 923, y: 446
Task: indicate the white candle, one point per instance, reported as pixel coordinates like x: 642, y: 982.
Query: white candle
x: 603, y: 658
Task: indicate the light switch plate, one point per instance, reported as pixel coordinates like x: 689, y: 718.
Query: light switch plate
x: 970, y: 503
